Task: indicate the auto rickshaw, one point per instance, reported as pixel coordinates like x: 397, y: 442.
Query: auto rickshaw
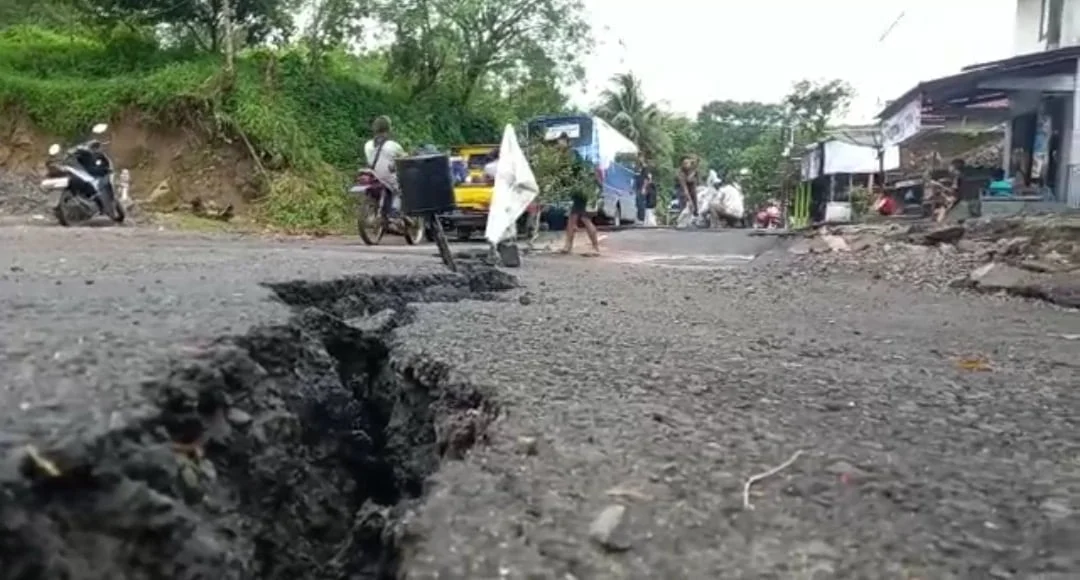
x: 473, y: 190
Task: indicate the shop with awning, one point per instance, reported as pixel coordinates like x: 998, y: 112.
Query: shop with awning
x: 1033, y: 97
x: 834, y: 168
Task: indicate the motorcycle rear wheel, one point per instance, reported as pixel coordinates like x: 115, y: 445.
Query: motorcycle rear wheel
x: 369, y: 221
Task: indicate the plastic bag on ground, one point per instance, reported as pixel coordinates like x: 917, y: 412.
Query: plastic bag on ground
x: 685, y: 219
x: 686, y: 216
x: 731, y: 202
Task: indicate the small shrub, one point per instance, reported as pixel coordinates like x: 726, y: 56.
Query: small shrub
x: 861, y: 198
x: 553, y: 175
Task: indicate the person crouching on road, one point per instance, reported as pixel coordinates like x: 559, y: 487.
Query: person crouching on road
x: 577, y: 169
x: 727, y: 205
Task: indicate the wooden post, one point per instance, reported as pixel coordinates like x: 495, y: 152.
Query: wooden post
x: 881, y: 165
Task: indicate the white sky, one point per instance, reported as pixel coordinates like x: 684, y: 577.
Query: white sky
x: 689, y: 52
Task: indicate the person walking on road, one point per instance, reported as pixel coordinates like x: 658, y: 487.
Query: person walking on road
x: 577, y: 171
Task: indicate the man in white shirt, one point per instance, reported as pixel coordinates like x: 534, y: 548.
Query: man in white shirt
x: 382, y: 154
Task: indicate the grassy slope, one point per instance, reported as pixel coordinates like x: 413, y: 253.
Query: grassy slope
x: 307, y: 125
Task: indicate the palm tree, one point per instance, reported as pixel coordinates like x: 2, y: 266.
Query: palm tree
x: 625, y: 107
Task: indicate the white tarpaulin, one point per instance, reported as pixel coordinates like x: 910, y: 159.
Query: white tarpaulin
x: 841, y: 157
x: 515, y: 188
x: 904, y: 124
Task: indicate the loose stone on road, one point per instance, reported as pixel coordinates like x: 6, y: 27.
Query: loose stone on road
x: 601, y: 420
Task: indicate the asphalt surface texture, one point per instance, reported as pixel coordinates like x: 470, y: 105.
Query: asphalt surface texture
x: 599, y: 418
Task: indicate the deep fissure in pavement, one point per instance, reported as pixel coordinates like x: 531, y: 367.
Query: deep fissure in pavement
x: 290, y: 452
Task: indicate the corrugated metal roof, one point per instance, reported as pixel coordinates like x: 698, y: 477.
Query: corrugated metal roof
x: 972, y: 75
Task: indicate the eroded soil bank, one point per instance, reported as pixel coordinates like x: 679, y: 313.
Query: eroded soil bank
x: 170, y: 168
x: 292, y: 451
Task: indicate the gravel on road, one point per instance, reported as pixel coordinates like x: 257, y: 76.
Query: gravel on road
x: 600, y: 421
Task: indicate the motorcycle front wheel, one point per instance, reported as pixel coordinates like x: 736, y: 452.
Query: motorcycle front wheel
x: 71, y: 210
x: 413, y: 230
x: 369, y: 221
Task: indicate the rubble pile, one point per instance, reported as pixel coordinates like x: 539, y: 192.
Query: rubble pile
x: 1030, y: 256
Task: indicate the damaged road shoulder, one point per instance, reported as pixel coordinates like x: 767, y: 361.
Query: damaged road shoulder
x: 289, y: 452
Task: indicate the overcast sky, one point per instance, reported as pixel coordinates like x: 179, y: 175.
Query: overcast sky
x: 689, y: 52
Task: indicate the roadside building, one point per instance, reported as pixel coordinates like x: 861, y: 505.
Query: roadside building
x: 1032, y: 96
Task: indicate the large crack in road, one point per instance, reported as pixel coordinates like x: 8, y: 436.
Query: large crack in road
x: 292, y: 451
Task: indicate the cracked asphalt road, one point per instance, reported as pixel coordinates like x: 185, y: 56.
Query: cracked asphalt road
x: 623, y: 382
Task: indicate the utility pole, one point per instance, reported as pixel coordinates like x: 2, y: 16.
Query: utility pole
x: 879, y: 138
x: 227, y: 17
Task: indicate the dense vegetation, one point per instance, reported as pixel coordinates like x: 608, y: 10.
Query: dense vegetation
x: 298, y: 81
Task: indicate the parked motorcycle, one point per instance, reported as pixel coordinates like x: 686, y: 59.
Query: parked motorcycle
x: 84, y: 175
x: 376, y: 214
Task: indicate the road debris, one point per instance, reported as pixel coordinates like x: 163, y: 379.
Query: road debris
x: 975, y: 364
x: 42, y: 463
x: 627, y: 493
x: 1027, y: 256
x: 610, y: 529
x: 763, y: 475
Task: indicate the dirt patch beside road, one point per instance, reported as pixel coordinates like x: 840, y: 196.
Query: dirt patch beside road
x: 170, y: 167
x: 1033, y: 256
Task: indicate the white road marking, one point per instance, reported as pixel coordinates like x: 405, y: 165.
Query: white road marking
x: 701, y: 261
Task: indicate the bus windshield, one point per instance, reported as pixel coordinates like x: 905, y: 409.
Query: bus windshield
x: 578, y: 129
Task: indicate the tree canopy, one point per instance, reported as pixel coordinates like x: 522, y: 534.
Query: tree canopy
x: 510, y: 59
x: 729, y: 136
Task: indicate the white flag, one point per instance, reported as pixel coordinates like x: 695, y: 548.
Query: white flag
x: 515, y: 188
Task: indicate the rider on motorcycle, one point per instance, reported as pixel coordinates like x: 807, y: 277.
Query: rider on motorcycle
x: 382, y: 154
